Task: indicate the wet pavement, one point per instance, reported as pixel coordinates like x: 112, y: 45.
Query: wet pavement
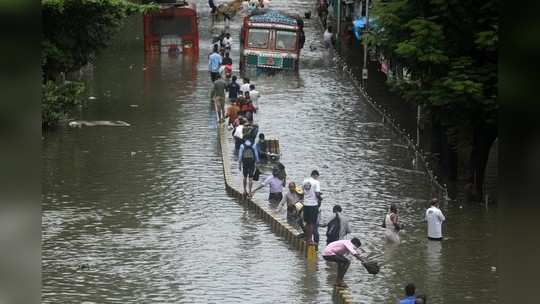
x: 145, y: 206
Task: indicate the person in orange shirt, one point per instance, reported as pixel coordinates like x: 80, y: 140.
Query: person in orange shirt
x: 232, y: 113
x: 247, y: 108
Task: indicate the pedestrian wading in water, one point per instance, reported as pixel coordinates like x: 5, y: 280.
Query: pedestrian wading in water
x: 411, y: 297
x: 392, y: 225
x: 337, y: 227
x: 434, y: 218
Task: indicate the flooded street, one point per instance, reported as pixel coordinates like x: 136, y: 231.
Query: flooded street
x: 139, y: 214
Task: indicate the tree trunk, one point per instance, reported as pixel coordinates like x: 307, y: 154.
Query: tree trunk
x: 484, y: 136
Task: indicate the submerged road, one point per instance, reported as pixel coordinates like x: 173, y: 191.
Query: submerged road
x: 144, y: 207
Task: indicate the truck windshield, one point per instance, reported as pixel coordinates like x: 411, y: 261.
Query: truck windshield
x: 286, y: 40
x: 258, y: 38
x: 171, y: 26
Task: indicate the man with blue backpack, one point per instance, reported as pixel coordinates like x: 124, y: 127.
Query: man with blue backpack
x: 247, y: 159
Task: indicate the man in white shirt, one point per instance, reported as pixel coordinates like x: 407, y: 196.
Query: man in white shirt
x: 254, y: 94
x: 327, y: 37
x: 238, y: 135
x: 312, y: 202
x: 434, y: 218
x: 245, y: 86
x: 227, y: 42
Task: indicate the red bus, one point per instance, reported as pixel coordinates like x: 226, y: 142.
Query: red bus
x: 172, y: 28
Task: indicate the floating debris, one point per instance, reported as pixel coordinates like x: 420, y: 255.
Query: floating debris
x: 96, y: 123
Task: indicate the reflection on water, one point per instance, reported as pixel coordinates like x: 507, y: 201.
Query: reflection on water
x: 145, y: 206
x: 434, y: 269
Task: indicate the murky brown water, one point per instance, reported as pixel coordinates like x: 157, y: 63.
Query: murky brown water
x: 145, y: 206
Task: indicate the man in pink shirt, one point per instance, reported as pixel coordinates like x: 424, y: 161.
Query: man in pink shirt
x: 336, y: 251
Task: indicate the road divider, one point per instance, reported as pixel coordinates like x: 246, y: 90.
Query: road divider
x: 278, y: 225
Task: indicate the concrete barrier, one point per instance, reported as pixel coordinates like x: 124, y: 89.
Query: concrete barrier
x: 342, y: 296
x: 278, y: 226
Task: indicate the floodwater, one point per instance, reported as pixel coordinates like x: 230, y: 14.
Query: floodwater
x: 139, y: 214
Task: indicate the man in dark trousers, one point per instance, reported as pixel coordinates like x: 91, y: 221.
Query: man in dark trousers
x: 247, y: 158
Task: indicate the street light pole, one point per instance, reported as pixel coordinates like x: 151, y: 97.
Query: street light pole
x: 364, y: 69
x: 338, y: 27
x: 418, y: 118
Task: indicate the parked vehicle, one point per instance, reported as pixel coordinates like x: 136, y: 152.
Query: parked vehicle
x: 172, y: 28
x: 271, y: 39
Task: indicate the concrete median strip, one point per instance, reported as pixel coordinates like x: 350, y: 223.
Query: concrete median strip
x: 279, y: 226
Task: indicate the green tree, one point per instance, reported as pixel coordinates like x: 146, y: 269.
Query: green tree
x: 74, y: 31
x: 450, y: 49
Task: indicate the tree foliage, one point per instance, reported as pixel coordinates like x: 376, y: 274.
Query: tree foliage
x: 74, y: 31
x: 57, y: 98
x: 450, y: 49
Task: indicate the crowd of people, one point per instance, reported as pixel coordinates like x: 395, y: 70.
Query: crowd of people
x: 235, y: 104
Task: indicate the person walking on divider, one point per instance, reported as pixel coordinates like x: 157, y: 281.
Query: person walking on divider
x: 282, y: 174
x: 234, y: 89
x: 247, y: 108
x: 245, y: 86
x: 227, y: 43
x: 232, y: 114
x: 214, y: 62
x: 238, y: 133
x: 218, y: 96
x: 336, y: 251
x: 276, y: 188
x: 312, y: 202
x: 434, y: 218
x: 289, y: 200
x: 248, y: 157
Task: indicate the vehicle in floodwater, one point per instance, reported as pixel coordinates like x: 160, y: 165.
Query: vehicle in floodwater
x: 173, y: 28
x: 270, y: 39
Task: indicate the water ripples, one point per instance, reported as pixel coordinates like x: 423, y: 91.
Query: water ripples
x: 144, y: 208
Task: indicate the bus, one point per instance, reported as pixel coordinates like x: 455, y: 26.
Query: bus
x: 172, y: 29
x: 271, y: 39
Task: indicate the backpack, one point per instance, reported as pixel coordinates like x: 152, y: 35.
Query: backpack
x: 248, y: 154
x: 246, y: 132
x: 332, y: 232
